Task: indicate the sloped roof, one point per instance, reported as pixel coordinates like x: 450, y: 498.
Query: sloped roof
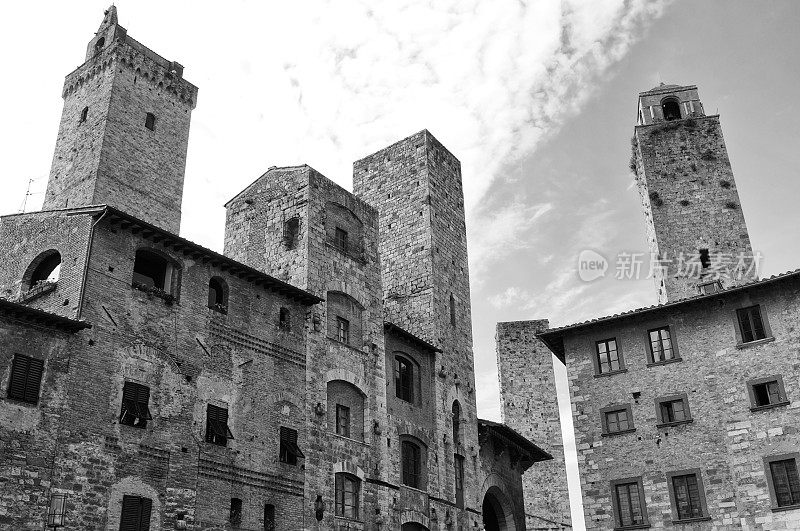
x: 21, y: 312
x: 531, y: 452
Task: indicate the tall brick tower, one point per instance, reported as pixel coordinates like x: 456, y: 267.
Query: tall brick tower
x: 124, y: 130
x: 694, y: 218
x: 415, y: 185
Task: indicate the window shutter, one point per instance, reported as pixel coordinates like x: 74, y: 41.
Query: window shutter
x: 129, y: 519
x: 19, y: 371
x: 146, y: 510
x: 34, y: 380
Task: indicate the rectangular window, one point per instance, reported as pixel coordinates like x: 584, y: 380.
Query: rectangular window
x: 607, y: 356
x: 661, y: 349
x: 411, y: 464
x: 289, y: 451
x: 687, y: 496
x: 404, y: 379
x: 767, y: 392
x: 342, y: 330
x: 150, y: 121
x: 235, y: 516
x: 135, y: 401
x: 459, y: 466
x: 347, y: 495
x: 26, y: 378
x: 135, y: 513
x: 269, y: 517
x: 340, y: 239
x: 751, y: 325
x: 217, y: 431
x: 342, y: 420
x: 617, y: 421
x: 673, y: 409
x: 629, y: 504
x: 784, y: 481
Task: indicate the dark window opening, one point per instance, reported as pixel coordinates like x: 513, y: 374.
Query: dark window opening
x: 785, y: 482
x: 768, y: 392
x: 98, y: 46
x: 404, y: 379
x: 348, y: 494
x: 458, y: 461
x: 217, y: 430
x: 750, y: 324
x: 135, y: 513
x: 291, y: 232
x: 151, y: 270
x: 411, y: 457
x: 150, y: 121
x: 342, y: 420
x: 661, y: 345
x: 686, y: 492
x: 269, y: 517
x: 26, y: 378
x: 674, y: 411
x: 672, y: 109
x: 705, y: 261
x: 48, y: 271
x: 135, y: 401
x: 342, y: 330
x: 84, y: 115
x: 452, y: 310
x: 617, y: 421
x: 218, y: 295
x: 628, y: 504
x: 235, y: 516
x: 289, y: 451
x: 284, y: 319
x: 456, y: 423
x: 340, y: 239
x: 607, y: 356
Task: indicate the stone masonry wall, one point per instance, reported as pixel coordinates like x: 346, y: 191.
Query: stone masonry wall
x: 725, y: 439
x: 530, y: 406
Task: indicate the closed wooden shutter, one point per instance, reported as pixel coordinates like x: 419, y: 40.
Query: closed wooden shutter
x: 136, y: 512
x: 26, y: 378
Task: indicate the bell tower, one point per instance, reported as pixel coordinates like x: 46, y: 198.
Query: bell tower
x: 695, y: 224
x: 124, y: 130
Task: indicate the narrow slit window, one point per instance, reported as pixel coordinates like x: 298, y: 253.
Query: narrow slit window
x: 235, y: 515
x: 458, y: 461
x: 269, y: 517
x: 84, y: 115
x: 705, y: 260
x: 342, y: 420
x: 343, y: 330
x: 404, y: 379
x: 452, y: 310
x: 285, y: 319
x: 150, y: 121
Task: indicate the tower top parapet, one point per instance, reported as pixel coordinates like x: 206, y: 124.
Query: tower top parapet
x: 665, y: 103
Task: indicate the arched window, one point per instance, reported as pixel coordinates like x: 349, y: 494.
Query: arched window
x: 285, y: 319
x: 150, y: 121
x: 348, y: 495
x: 452, y: 310
x: 45, y: 269
x: 218, y: 295
x: 154, y: 273
x: 98, y: 46
x: 291, y: 232
x: 456, y: 423
x: 671, y: 108
x: 84, y: 114
x: 404, y: 378
x: 345, y: 409
x: 411, y: 464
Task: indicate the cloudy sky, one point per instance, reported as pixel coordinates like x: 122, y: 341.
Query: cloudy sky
x: 536, y: 98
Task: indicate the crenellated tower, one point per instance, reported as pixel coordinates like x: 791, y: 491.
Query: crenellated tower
x: 124, y: 130
x: 695, y: 223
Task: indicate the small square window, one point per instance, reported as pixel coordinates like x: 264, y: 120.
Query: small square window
x: 672, y: 410
x: 26, y: 378
x: 662, y: 347
x: 608, y: 359
x: 629, y: 506
x: 767, y: 392
x: 342, y: 330
x: 289, y: 450
x: 342, y: 420
x: 687, y: 495
x: 617, y: 419
x: 783, y: 480
x: 751, y: 324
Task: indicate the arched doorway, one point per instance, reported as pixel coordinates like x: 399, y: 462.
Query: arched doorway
x: 495, y: 516
x: 413, y: 526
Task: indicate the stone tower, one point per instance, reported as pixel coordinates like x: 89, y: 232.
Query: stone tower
x: 124, y: 130
x: 529, y: 405
x: 694, y: 219
x: 415, y: 185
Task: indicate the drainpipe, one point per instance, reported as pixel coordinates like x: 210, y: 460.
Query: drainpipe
x: 86, y: 265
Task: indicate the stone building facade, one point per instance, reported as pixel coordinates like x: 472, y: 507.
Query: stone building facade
x: 685, y: 413
x: 316, y: 375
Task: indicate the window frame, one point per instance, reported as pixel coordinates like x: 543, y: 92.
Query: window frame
x: 143, y: 506
x: 458, y: 480
x: 456, y: 412
x: 342, y: 330
x: 701, y: 495
x: 140, y: 408
x: 682, y: 397
x: 416, y: 469
x: 596, y: 357
x: 768, y: 460
x: 740, y: 342
x: 411, y: 387
x: 651, y: 359
x: 615, y: 502
x: 28, y: 383
x: 341, y: 481
x: 605, y: 432
x: 340, y: 239
x: 343, y: 428
x: 751, y: 384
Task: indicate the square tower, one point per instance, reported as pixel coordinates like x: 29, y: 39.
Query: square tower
x: 124, y: 130
x: 695, y: 223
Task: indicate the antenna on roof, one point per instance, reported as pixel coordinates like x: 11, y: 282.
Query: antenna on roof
x: 27, y: 194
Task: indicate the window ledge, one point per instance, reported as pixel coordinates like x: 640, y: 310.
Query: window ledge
x: 353, y: 255
x: 690, y: 520
x: 637, y: 526
x: 755, y: 343
x: 415, y: 489
x: 612, y: 434
x: 769, y: 406
x: 348, y: 519
x: 156, y: 292
x: 612, y: 373
x: 351, y: 347
x: 665, y: 362
x: 219, y: 308
x: 20, y: 402
x: 777, y: 509
x: 38, y: 291
x: 676, y: 423
x: 348, y: 439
